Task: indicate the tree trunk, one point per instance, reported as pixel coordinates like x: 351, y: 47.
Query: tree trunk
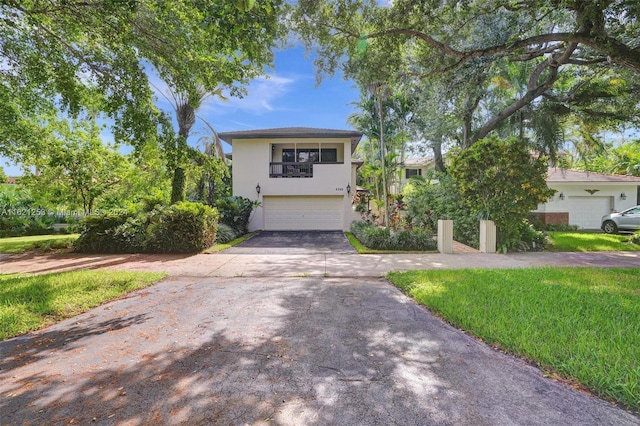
x: 200, y: 188
x: 437, y: 156
x: 212, y: 190
x: 471, y: 104
x: 178, y: 185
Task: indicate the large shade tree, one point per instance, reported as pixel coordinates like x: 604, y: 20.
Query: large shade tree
x: 562, y: 57
x: 58, y: 56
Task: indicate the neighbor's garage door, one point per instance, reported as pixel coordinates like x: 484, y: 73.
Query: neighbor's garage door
x: 587, y: 212
x: 302, y: 213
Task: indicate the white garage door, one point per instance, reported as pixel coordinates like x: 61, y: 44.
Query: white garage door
x: 303, y: 213
x: 587, y: 212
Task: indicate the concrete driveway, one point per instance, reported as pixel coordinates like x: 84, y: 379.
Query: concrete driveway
x: 268, y: 350
x: 295, y: 242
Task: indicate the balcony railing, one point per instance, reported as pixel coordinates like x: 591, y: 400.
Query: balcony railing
x: 291, y: 170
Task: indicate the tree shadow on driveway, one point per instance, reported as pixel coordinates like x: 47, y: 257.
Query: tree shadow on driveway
x: 59, y: 262
x: 281, y: 351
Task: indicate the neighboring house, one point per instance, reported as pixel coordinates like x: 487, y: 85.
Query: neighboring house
x: 303, y: 177
x: 413, y: 167
x: 582, y: 198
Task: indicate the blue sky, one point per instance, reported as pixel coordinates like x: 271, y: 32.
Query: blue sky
x: 287, y: 97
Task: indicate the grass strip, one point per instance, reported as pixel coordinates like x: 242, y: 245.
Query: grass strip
x: 580, y: 323
x: 220, y: 247
x: 15, y: 245
x: 586, y: 241
x: 31, y: 302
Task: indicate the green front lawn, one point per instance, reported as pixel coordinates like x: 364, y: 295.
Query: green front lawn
x: 589, y: 241
x: 580, y: 323
x: 36, y: 243
x: 31, y: 302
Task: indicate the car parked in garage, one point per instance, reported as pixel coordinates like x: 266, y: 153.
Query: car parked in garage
x: 626, y: 220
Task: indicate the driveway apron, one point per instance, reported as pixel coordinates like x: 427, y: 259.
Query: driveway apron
x: 269, y: 350
x: 295, y: 242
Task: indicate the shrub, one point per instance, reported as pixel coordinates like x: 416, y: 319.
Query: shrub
x: 376, y: 238
x: 130, y: 236
x: 184, y: 227
x: 504, y: 189
x: 152, y: 202
x: 383, y: 239
x: 235, y: 212
x: 559, y: 227
x: 21, y: 215
x: 111, y: 233
x: 181, y: 228
x: 416, y: 240
x: 24, y: 221
x: 520, y: 237
x: 225, y: 234
x: 436, y: 197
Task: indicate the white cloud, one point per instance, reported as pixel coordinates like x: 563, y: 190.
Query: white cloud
x: 262, y: 96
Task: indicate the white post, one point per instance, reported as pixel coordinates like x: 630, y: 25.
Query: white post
x: 445, y: 236
x: 487, y: 236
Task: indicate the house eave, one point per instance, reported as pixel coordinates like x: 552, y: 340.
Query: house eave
x: 579, y: 177
x: 293, y: 133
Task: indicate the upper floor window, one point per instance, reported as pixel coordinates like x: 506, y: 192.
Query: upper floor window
x: 310, y: 155
x: 412, y: 172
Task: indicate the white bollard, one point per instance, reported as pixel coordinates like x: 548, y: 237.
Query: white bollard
x: 445, y: 236
x: 487, y: 236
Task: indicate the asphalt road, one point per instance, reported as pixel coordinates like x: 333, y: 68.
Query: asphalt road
x: 269, y: 350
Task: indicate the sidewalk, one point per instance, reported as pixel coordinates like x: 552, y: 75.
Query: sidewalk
x: 298, y: 265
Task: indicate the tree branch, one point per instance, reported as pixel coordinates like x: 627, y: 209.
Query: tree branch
x: 422, y: 36
x: 586, y: 62
x: 617, y: 52
x: 537, y: 53
x: 17, y: 6
x: 535, y: 90
x: 75, y: 52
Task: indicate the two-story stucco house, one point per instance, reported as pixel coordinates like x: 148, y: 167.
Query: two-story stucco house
x: 303, y: 177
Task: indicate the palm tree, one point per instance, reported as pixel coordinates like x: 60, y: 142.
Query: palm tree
x: 212, y: 148
x: 184, y: 105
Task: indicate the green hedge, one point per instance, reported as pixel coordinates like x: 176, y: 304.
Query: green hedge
x: 384, y: 239
x: 184, y: 227
x: 180, y: 228
x: 16, y: 225
x: 111, y: 233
